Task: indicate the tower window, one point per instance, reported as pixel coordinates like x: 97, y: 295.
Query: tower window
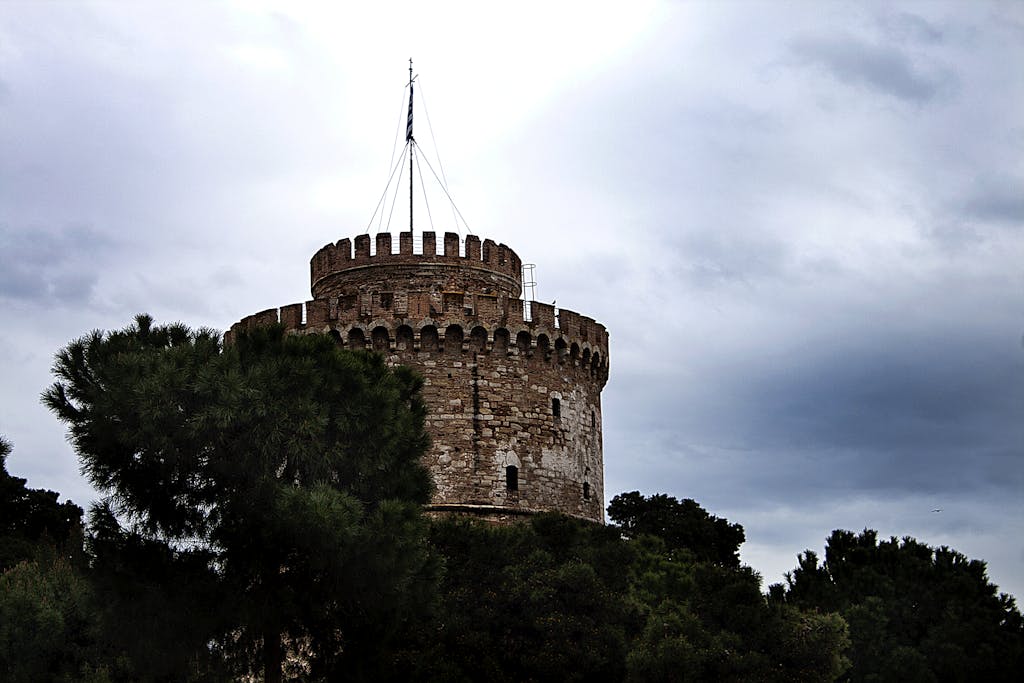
x: 556, y: 407
x: 586, y: 490
x: 593, y: 420
x: 511, y: 478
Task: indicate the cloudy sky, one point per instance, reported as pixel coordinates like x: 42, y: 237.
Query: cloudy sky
x: 801, y: 222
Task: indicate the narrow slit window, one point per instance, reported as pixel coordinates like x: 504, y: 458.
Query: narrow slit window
x: 511, y: 478
x: 556, y: 407
x: 593, y: 420
x: 586, y: 490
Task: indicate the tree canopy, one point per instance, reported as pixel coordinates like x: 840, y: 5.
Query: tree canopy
x: 680, y: 524
x: 557, y: 598
x: 30, y: 518
x: 46, y: 627
x: 290, y: 465
x: 915, y: 613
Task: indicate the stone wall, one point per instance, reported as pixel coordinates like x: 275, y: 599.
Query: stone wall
x: 503, y: 390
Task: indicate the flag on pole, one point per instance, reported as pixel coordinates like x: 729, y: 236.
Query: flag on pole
x: 408, y: 127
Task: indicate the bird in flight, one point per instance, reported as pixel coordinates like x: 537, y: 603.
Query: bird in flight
x: 937, y: 510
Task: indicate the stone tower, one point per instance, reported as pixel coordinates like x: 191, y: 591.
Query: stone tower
x: 513, y: 392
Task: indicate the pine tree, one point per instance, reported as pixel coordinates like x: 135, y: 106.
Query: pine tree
x: 294, y: 464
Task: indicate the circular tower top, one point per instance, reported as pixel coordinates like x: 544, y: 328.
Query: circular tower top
x: 484, y: 268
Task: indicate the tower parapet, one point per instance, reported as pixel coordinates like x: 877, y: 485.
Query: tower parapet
x: 514, y: 400
x: 485, y: 267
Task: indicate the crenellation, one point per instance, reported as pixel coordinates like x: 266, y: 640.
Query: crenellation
x: 362, y: 248
x: 383, y: 244
x: 590, y: 330
x: 291, y: 316
x: 569, y: 322
x: 429, y: 244
x: 405, y: 243
x: 317, y: 313
x: 267, y: 317
x: 514, y: 316
x: 472, y: 248
x: 451, y: 244
x: 489, y: 253
x: 543, y: 315
x: 318, y: 263
x: 343, y: 250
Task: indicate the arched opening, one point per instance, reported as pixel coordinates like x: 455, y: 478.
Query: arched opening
x: 478, y: 340
x: 501, y: 338
x: 335, y: 335
x: 586, y: 357
x: 544, y: 346
x: 595, y: 364
x: 403, y: 338
x: 453, y: 340
x: 561, y: 349
x: 523, y: 343
x: 356, y: 338
x: 511, y: 478
x: 428, y: 338
x: 574, y: 353
x: 381, y: 339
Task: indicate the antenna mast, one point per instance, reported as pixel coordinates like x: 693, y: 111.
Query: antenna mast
x: 409, y: 140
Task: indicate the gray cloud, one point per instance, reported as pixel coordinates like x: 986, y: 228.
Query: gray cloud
x: 47, y: 267
x: 883, y: 68
x: 907, y: 27
x: 709, y: 259
x: 933, y: 413
x: 997, y: 199
x: 979, y: 216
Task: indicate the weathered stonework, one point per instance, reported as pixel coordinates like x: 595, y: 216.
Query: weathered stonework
x: 503, y: 390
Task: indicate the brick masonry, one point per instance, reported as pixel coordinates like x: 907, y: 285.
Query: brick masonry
x: 503, y: 389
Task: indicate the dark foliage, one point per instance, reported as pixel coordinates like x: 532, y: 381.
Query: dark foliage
x: 281, y: 467
x: 48, y: 628
x: 708, y: 621
x: 563, y: 599
x: 535, y: 601
x: 31, y: 519
x: 680, y: 524
x: 915, y: 613
x: 157, y: 608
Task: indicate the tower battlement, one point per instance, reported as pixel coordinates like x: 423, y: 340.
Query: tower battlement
x: 488, y: 265
x: 513, y: 388
x: 566, y: 337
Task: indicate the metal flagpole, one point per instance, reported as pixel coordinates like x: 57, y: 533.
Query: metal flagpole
x: 411, y: 142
